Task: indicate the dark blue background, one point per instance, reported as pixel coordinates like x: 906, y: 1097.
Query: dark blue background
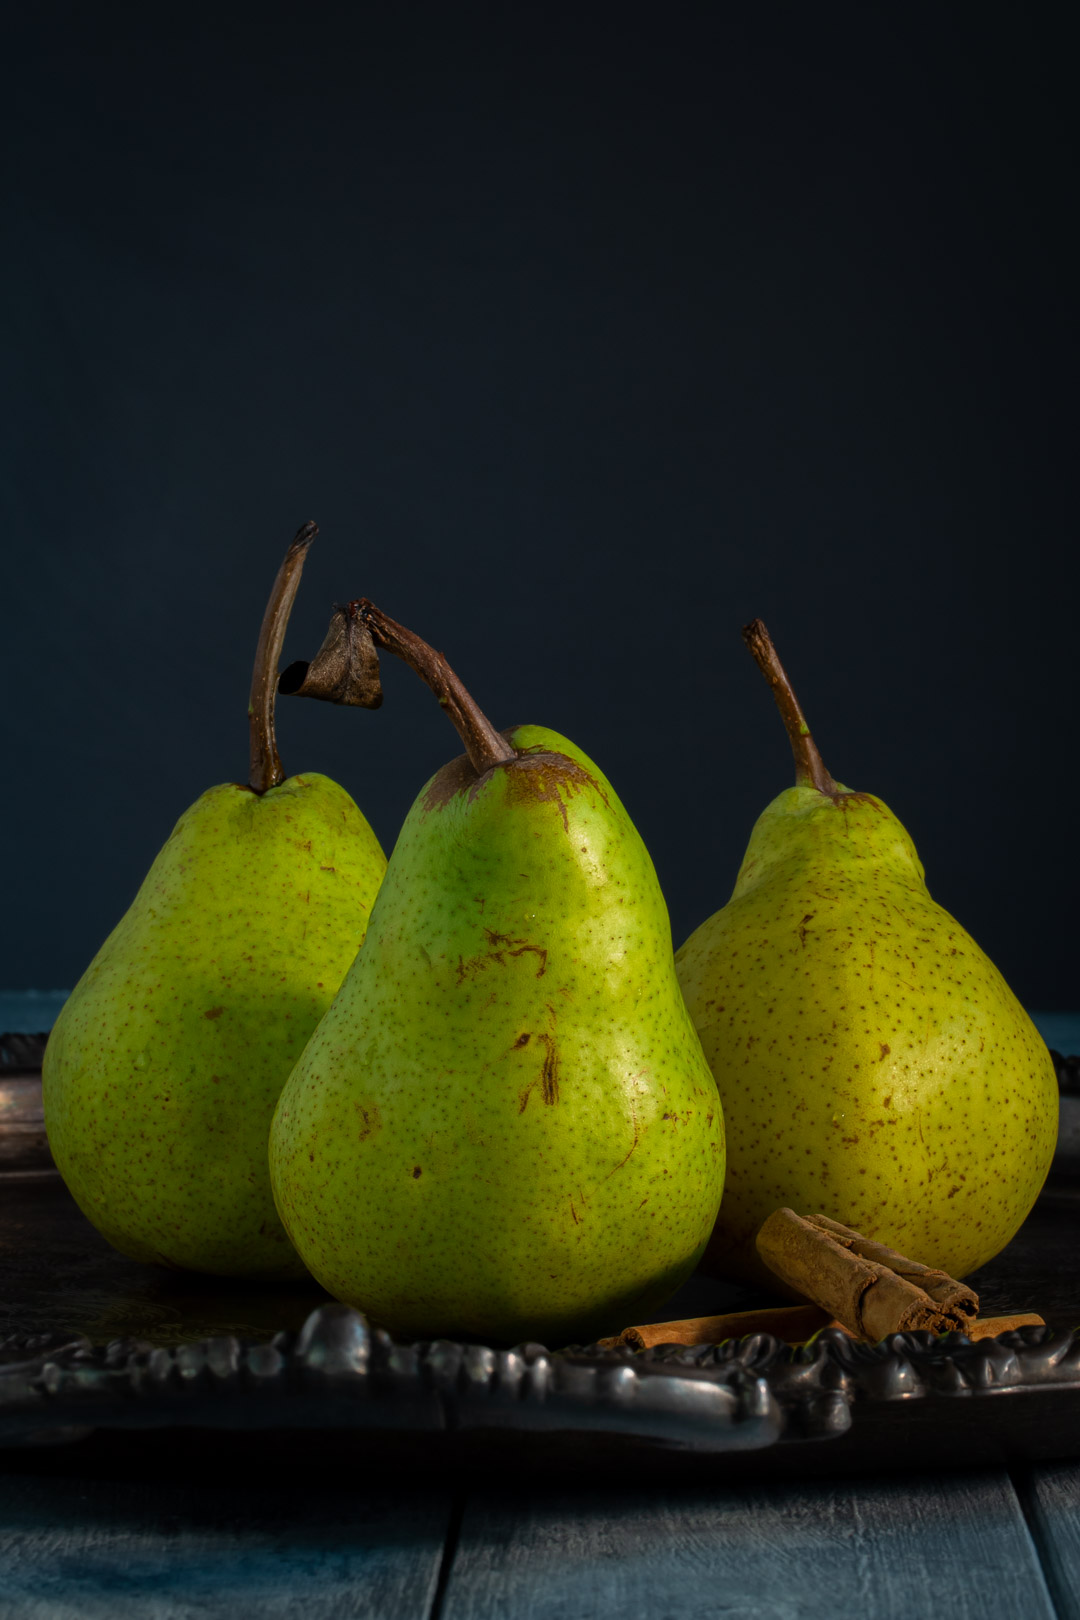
x: 584, y: 341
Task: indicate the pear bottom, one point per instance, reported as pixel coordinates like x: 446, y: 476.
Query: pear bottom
x: 935, y: 1143
x: 445, y: 1239
x: 470, y: 1211
x: 934, y: 1139
x: 506, y: 1323
x: 448, y: 1207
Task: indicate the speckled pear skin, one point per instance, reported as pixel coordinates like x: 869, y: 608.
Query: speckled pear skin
x: 505, y: 1126
x: 163, y: 1069
x: 873, y: 1064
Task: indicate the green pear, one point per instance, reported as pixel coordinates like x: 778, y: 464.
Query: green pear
x: 874, y: 1066
x: 505, y: 1126
x: 163, y: 1069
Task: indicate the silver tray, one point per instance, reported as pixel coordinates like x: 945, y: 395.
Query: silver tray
x: 94, y: 1344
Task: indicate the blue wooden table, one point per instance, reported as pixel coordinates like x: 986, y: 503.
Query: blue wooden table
x: 963, y: 1545
x: 80, y: 1540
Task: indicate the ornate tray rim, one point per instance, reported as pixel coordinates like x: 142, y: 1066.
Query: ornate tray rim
x: 337, y: 1373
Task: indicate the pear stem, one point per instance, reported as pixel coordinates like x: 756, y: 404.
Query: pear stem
x: 266, y: 769
x: 484, y: 745
x: 809, y: 766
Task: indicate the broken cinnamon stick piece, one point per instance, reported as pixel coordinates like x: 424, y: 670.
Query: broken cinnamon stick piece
x: 794, y: 1323
x: 988, y: 1327
x: 870, y: 1289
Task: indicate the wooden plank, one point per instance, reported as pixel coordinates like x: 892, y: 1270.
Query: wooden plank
x: 884, y: 1548
x: 86, y: 1548
x: 1051, y: 1497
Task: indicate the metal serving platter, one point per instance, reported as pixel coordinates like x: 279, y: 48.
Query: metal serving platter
x: 93, y: 1344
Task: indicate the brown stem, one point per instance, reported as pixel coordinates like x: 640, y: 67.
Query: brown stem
x: 484, y: 745
x: 266, y: 769
x: 809, y: 766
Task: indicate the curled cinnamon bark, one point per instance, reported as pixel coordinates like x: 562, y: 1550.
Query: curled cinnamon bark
x: 871, y: 1290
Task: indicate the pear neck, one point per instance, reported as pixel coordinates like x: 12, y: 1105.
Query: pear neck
x: 810, y: 768
x: 266, y: 770
x: 484, y: 745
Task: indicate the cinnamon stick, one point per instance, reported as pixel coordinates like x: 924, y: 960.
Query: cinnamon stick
x: 795, y: 1323
x: 792, y: 1323
x: 870, y: 1289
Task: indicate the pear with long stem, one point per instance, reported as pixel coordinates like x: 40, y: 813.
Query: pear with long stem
x: 504, y: 1126
x: 164, y: 1067
x: 873, y: 1064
